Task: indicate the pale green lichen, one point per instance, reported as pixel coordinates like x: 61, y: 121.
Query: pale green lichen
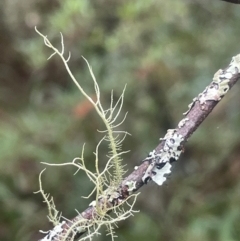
x: 109, y: 178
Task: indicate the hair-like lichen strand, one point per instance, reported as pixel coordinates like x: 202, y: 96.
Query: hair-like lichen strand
x: 106, y: 182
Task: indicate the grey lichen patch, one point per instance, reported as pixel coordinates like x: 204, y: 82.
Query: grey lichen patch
x: 131, y: 186
x: 173, y: 144
x: 182, y: 123
x: 92, y: 204
x: 161, y: 162
x: 114, y: 195
x: 80, y: 229
x: 148, y: 174
x: 219, y: 86
x: 170, y: 132
x: 151, y: 155
x: 54, y: 233
x: 234, y: 67
x: 159, y: 175
x: 217, y: 89
x: 190, y: 106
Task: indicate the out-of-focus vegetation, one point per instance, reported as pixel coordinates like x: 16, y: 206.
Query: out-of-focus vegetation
x: 166, y: 52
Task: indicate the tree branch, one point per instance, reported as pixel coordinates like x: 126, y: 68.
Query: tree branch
x: 158, y: 163
x: 232, y: 1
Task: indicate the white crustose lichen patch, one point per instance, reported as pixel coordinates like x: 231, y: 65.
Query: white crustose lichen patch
x: 136, y: 167
x: 182, y: 123
x: 219, y: 86
x: 131, y: 186
x: 217, y: 89
x: 161, y: 162
x: 159, y: 174
x: 54, y: 233
x: 92, y: 204
x: 190, y: 106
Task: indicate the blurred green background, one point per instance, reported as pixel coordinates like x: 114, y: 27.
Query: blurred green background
x: 166, y: 52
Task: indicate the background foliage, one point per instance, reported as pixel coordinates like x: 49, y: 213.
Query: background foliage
x: 166, y: 52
